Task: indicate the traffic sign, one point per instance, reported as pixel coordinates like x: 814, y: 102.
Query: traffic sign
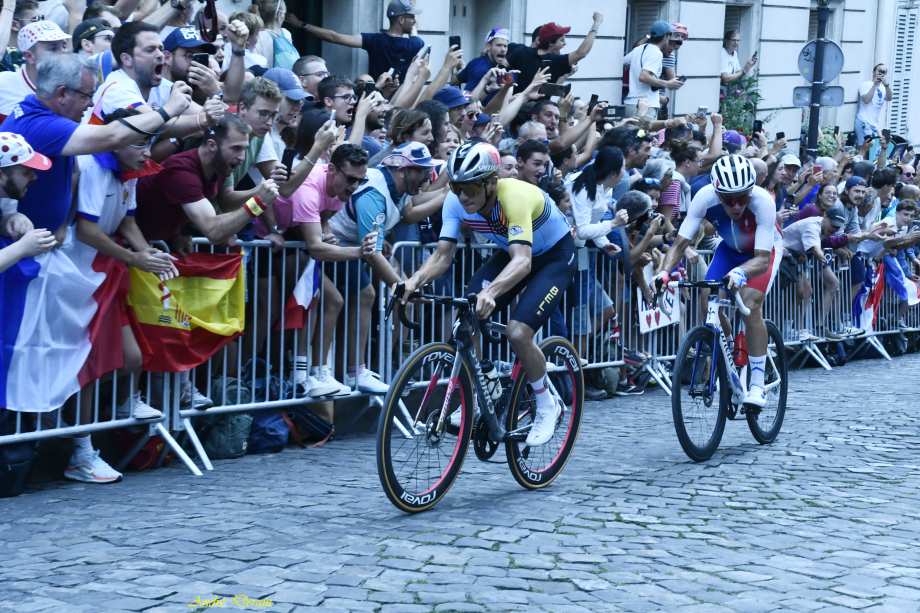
x: 833, y: 61
x: 830, y: 96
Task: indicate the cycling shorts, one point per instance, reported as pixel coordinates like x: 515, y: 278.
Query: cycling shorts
x: 725, y: 258
x: 543, y: 288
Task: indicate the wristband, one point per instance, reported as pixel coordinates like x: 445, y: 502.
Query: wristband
x: 240, y: 52
x: 592, y: 30
x: 304, y: 25
x: 163, y: 114
x: 254, y: 207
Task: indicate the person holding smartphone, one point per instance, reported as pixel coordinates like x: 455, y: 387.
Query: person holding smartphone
x: 870, y: 103
x: 645, y: 72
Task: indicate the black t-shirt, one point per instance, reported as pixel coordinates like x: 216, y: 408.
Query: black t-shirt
x: 528, y: 61
x: 385, y: 52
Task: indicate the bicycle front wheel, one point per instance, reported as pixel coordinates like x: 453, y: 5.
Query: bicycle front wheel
x: 700, y: 394
x: 419, y: 454
x: 537, y: 467
x: 765, y: 423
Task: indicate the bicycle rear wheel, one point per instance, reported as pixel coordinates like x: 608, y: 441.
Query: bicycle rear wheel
x: 417, y: 461
x: 765, y: 423
x: 537, y: 467
x: 699, y: 416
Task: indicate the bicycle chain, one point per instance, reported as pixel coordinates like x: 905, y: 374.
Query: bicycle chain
x: 483, y: 447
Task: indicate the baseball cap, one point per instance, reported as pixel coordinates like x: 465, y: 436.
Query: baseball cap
x: 409, y: 154
x: 287, y: 82
x: 402, y: 7
x: 88, y: 29
x: 187, y: 37
x: 836, y: 215
x: 791, y: 160
x: 498, y: 33
x: 15, y: 150
x: 679, y: 30
x: 551, y: 29
x: 451, y: 97
x: 733, y: 137
x: 660, y: 28
x: 853, y: 181
x: 40, y: 32
x: 483, y: 118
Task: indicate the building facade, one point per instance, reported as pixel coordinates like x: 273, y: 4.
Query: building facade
x: 868, y: 31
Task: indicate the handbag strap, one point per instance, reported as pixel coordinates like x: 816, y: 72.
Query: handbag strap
x: 292, y: 428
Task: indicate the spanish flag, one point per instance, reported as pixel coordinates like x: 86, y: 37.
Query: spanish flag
x: 183, y: 322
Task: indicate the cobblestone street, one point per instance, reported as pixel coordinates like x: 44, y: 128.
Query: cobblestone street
x: 827, y: 518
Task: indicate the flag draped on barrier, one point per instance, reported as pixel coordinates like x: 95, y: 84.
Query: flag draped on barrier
x: 304, y: 296
x: 183, y: 322
x: 866, y: 305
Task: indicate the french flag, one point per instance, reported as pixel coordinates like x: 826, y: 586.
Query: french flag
x: 59, y: 323
x: 866, y: 305
x: 304, y: 296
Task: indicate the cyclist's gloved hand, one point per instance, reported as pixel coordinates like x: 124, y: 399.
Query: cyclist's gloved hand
x: 737, y: 278
x: 660, y: 282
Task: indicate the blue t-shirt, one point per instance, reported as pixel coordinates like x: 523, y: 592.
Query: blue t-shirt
x: 385, y: 52
x: 47, y: 203
x: 470, y: 76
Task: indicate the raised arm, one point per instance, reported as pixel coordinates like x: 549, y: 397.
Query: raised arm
x: 330, y: 36
x: 585, y: 47
x: 568, y: 139
x: 451, y: 61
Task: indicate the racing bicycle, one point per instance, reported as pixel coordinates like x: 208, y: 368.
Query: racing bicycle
x: 420, y: 449
x: 709, y: 387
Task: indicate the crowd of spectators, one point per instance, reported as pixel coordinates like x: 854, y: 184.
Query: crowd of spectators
x: 158, y: 133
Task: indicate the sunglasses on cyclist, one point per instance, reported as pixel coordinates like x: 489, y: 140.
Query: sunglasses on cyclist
x: 736, y: 201
x: 470, y: 189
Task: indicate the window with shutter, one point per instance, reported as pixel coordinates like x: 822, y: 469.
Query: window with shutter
x: 733, y: 17
x: 642, y: 15
x: 813, y: 25
x: 902, y: 70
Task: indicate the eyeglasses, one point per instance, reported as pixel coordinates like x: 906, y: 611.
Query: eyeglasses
x: 106, y: 37
x: 738, y: 201
x: 473, y: 114
x: 470, y: 189
x: 347, y: 97
x: 321, y: 73
x: 349, y: 179
x: 89, y: 97
x: 35, y: 19
x: 269, y: 115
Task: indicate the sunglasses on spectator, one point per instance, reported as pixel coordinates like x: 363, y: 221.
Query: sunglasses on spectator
x: 470, y: 189
x: 654, y: 182
x: 349, y: 179
x: 736, y: 201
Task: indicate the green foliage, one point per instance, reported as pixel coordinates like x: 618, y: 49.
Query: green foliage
x: 827, y: 144
x: 738, y: 105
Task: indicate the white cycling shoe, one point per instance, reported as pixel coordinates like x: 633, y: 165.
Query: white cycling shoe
x: 544, y: 424
x: 756, y: 396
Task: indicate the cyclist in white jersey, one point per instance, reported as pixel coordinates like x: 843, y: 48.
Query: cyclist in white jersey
x: 750, y: 253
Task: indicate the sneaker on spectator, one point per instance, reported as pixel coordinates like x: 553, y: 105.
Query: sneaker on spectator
x: 189, y: 397
x: 852, y: 331
x: 307, y: 385
x: 806, y: 336
x: 629, y: 388
x: 137, y: 408
x: 367, y: 381
x: 834, y: 336
x: 91, y: 470
x: 631, y: 357
x: 324, y: 375
x: 454, y: 418
x: 902, y: 325
x: 592, y: 393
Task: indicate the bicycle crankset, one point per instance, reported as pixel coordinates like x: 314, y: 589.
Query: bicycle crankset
x: 484, y: 448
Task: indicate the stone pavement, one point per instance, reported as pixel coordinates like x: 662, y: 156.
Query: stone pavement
x: 825, y: 519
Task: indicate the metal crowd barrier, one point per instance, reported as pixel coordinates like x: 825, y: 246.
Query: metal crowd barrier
x: 602, y: 330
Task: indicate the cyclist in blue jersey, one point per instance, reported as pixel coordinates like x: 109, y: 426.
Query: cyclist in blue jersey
x: 750, y: 252
x: 536, y: 262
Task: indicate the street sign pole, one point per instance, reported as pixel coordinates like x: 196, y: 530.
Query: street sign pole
x: 817, y: 82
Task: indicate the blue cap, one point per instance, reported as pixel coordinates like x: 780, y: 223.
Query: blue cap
x: 483, y: 118
x: 187, y: 37
x: 452, y: 97
x: 409, y: 154
x: 287, y: 82
x: 852, y: 181
x: 660, y: 28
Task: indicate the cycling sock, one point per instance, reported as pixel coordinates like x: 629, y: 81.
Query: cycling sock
x: 757, y: 366
x: 541, y: 393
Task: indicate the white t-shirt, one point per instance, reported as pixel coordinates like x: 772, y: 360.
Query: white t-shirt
x: 869, y: 113
x: 730, y: 63
x: 266, y: 154
x: 870, y: 249
x: 14, y: 86
x: 102, y: 197
x: 803, y: 235
x: 120, y: 91
x: 585, y: 214
x: 644, y: 57
x: 250, y: 59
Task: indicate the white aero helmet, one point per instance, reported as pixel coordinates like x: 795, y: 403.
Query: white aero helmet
x: 732, y: 174
x: 473, y: 162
